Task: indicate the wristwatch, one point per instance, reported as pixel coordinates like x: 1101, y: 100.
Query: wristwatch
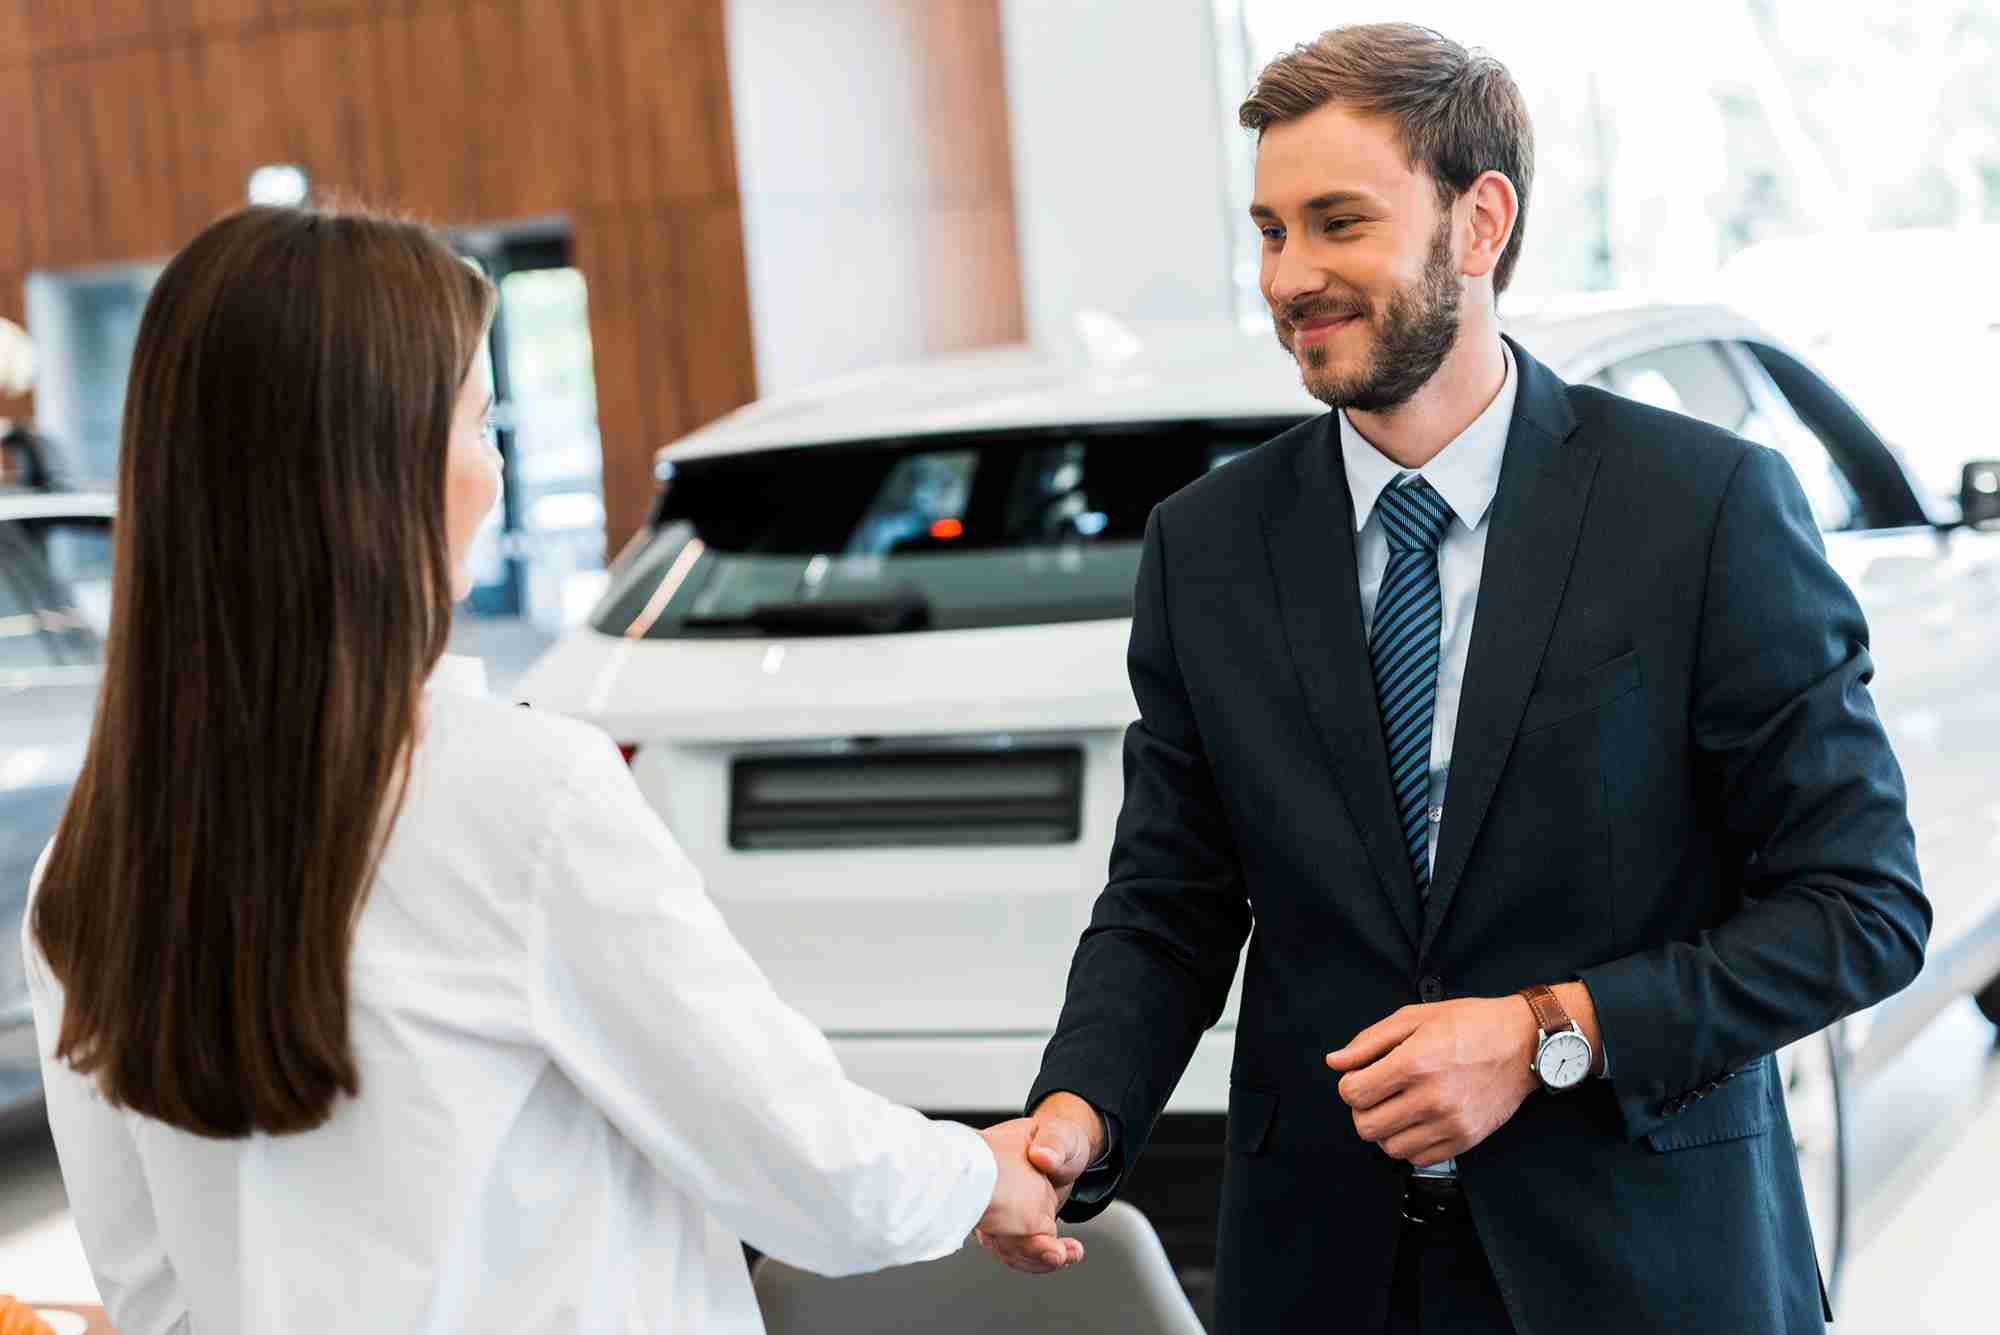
x: 1562, y: 1054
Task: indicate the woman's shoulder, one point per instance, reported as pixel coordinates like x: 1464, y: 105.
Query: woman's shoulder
x: 489, y: 741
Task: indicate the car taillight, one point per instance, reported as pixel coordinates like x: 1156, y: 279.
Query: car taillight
x: 628, y: 750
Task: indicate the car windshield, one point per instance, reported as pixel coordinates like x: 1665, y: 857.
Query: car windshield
x: 931, y: 533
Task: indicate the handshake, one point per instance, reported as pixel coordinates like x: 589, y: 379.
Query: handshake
x: 1040, y: 1159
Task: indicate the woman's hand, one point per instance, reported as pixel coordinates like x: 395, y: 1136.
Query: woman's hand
x: 1020, y: 1224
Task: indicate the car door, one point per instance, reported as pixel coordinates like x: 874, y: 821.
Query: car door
x: 49, y: 671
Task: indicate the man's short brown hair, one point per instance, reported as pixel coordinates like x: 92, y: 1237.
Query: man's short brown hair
x: 1457, y: 113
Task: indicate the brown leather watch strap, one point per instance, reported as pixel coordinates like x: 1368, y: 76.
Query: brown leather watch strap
x: 1549, y: 1012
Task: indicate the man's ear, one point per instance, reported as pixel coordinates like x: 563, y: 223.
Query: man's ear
x: 1492, y: 208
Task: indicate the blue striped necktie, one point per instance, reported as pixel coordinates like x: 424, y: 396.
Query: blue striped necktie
x: 1409, y: 616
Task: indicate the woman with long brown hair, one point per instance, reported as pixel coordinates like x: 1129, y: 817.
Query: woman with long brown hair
x: 366, y: 1004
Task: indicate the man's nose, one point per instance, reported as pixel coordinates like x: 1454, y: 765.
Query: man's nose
x: 1294, y: 277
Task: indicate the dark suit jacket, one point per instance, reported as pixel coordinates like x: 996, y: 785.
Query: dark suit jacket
x: 1669, y: 781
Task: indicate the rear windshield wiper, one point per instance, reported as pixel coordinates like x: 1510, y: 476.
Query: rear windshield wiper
x: 827, y: 616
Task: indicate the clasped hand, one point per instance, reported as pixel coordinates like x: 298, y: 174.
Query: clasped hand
x: 1432, y: 1081
x: 1040, y: 1159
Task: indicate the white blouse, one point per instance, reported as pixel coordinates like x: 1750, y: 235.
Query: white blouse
x: 577, y: 1094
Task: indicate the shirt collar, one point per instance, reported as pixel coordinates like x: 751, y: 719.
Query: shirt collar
x: 1466, y: 472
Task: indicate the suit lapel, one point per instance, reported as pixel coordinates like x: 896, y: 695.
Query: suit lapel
x: 1309, y: 531
x: 1537, y: 515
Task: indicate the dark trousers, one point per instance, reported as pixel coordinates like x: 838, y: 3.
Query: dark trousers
x: 1443, y: 1285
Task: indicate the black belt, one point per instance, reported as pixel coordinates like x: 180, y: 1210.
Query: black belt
x: 1433, y: 1202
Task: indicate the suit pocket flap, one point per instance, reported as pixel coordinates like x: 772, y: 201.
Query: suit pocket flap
x: 1250, y: 1113
x: 1739, y: 1107
x: 1570, y: 696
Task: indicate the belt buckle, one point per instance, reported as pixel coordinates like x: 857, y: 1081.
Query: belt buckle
x: 1430, y: 1207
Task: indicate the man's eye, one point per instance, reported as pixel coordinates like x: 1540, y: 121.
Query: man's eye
x: 1335, y: 224
x: 1273, y: 233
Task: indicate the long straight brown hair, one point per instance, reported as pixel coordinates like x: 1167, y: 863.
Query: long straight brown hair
x: 282, y: 589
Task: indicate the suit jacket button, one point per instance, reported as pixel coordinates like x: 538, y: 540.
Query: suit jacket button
x: 1431, y: 987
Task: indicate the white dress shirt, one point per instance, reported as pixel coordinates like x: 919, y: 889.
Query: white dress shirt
x: 577, y: 1094
x: 1467, y: 474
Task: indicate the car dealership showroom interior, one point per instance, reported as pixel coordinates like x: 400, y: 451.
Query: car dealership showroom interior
x: 955, y: 666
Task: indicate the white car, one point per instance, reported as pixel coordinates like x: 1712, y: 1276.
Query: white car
x: 868, y: 661
x: 55, y: 587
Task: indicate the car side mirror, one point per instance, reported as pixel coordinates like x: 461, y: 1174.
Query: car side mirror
x: 1979, y: 492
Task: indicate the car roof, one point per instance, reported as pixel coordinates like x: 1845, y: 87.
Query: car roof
x: 27, y: 504
x: 1113, y: 374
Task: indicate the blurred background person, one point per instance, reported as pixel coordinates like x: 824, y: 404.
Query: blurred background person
x: 27, y: 458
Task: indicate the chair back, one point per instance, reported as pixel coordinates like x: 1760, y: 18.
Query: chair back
x: 1123, y: 1287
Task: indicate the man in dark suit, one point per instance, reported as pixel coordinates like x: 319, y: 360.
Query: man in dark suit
x: 1528, y: 727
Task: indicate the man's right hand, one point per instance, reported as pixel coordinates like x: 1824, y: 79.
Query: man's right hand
x: 1069, y: 1137
x: 1020, y: 1223
x: 1065, y: 1136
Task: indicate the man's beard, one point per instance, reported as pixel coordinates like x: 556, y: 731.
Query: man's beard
x: 1416, y: 333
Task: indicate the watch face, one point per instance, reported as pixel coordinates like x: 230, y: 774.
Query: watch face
x: 1564, y: 1060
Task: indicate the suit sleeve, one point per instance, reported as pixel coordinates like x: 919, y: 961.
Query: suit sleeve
x: 1797, y: 772
x: 1153, y: 969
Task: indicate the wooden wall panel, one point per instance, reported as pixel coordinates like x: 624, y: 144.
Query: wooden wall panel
x: 431, y: 83
x: 18, y: 175
x: 283, y: 9
x: 600, y: 36
x: 676, y: 91
x: 14, y: 32
x: 631, y: 370
x: 113, y: 20
x: 317, y: 114
x: 192, y: 15
x: 555, y: 145
x: 71, y: 196
x: 76, y: 25
x: 498, y: 57
x: 200, y: 190
x: 227, y: 87
x: 127, y: 125
x: 663, y: 368
x: 132, y: 140
x: 709, y: 275
x: 56, y: 24
x: 377, y: 60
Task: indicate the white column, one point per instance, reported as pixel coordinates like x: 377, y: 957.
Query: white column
x: 1117, y: 123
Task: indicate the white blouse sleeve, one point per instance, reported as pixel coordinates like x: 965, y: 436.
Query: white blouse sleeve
x: 648, y: 1003
x: 103, y: 1174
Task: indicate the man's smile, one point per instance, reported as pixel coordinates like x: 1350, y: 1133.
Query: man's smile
x: 1321, y: 328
